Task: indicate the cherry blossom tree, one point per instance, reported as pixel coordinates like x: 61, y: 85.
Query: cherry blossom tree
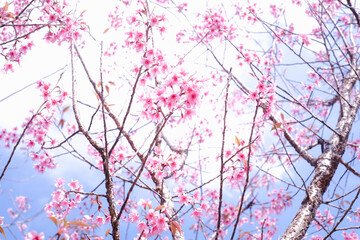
x: 203, y: 119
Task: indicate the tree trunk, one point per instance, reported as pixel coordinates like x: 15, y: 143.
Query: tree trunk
x: 326, y: 164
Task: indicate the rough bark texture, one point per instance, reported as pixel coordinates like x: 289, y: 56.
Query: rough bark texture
x: 110, y: 197
x: 326, y: 164
x: 166, y: 200
x: 166, y: 197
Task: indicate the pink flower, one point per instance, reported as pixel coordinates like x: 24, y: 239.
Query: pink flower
x: 192, y: 97
x: 74, y: 185
x: 150, y: 52
x: 22, y: 203
x: 174, y: 80
x: 12, y: 213
x: 99, y: 221
x: 23, y: 49
x: 146, y: 62
x: 317, y: 237
x: 1, y: 221
x: 297, y: 2
x: 58, y: 195
x: 351, y: 236
x: 21, y: 226
x: 154, y: 21
x: 7, y: 67
x: 188, y: 113
x: 134, y: 216
x: 162, y: 30
x: 345, y: 19
x: 155, y: 71
x: 182, y: 7
x: 326, y: 219
x: 144, y: 203
x: 261, y: 87
x: 34, y: 236
x: 139, y: 46
x: 148, y: 102
x: 196, y: 214
x: 141, y: 227
x: 161, y: 221
x: 30, y: 143
x: 53, y: 18
x: 60, y: 182
x: 151, y: 215
x: 241, y: 156
x: 183, y: 199
x: 30, y: 45
x: 305, y: 39
x: 247, y: 58
x: 253, y: 95
x: 164, y: 68
x: 13, y: 55
x: 138, y: 36
x: 172, y: 100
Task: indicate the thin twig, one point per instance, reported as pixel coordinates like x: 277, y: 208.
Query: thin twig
x: 87, y: 193
x: 222, y: 165
x: 247, y: 172
x: 17, y: 144
x: 343, y: 216
x: 348, y: 167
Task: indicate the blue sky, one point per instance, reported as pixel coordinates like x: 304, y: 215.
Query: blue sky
x: 19, y: 180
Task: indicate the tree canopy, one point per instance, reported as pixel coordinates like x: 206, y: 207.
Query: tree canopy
x: 182, y: 120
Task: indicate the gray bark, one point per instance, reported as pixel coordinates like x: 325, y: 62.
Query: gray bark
x: 326, y: 164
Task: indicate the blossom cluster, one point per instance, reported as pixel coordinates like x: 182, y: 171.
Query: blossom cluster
x: 37, y: 128
x: 279, y: 201
x: 162, y: 166
x: 22, y: 206
x: 248, y: 12
x: 62, y: 203
x: 214, y: 26
x: 350, y: 236
x: 325, y: 219
x: 16, y: 27
x: 37, y: 131
x: 9, y: 137
x: 264, y: 95
x: 180, y: 92
x: 150, y: 222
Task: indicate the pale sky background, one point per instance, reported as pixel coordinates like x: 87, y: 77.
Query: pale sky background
x: 43, y: 60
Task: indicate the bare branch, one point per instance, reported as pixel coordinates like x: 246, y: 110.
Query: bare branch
x: 17, y: 144
x: 344, y: 215
x: 222, y: 165
x: 348, y: 167
x: 299, y: 149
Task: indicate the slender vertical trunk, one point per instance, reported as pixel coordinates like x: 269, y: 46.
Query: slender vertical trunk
x: 111, y: 199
